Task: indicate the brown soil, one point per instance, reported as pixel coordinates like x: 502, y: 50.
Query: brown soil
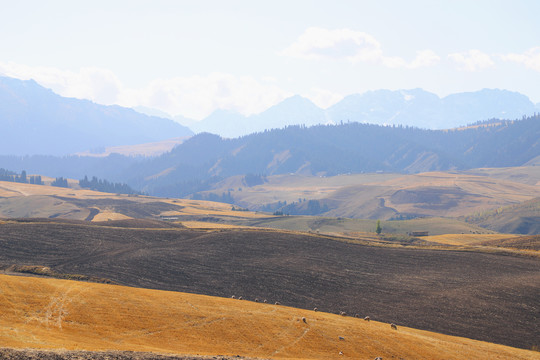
x: 458, y: 293
x: 30, y: 354
x: 522, y: 242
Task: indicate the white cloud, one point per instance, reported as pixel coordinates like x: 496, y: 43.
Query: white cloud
x: 530, y: 58
x: 319, y: 43
x: 323, y: 98
x: 424, y: 58
x: 195, y: 96
x: 199, y: 96
x: 353, y: 46
x: 473, y: 60
x: 96, y: 84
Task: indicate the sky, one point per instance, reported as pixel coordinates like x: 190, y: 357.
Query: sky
x: 191, y: 58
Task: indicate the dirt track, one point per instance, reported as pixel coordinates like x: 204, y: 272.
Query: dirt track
x: 457, y: 293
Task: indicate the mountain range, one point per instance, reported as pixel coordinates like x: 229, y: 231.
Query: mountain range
x: 416, y: 107
x: 35, y: 120
x: 322, y: 150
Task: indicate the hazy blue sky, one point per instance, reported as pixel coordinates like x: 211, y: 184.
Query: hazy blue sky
x: 192, y: 57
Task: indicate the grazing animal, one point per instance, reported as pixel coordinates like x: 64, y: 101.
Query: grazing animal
x: 341, y: 338
x: 277, y: 303
x: 342, y: 313
x: 393, y: 326
x: 367, y: 318
x: 304, y: 320
x: 356, y: 315
x: 378, y: 358
x: 239, y: 298
x: 315, y: 309
x: 233, y: 297
x: 256, y: 299
x: 264, y: 301
x: 340, y: 353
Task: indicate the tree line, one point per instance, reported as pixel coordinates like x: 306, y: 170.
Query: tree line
x: 6, y: 175
x: 106, y: 186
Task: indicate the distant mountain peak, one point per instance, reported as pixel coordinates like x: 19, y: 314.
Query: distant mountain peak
x: 35, y: 120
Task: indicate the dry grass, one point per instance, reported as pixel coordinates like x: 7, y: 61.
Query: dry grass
x: 146, y: 149
x: 382, y: 195
x: 466, y: 239
x: 106, y: 215
x: 53, y: 314
x: 25, y: 200
x: 209, y: 225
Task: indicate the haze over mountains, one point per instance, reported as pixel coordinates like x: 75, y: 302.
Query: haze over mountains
x: 416, y: 107
x: 37, y: 121
x: 34, y: 120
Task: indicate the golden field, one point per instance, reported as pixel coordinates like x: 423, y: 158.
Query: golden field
x: 60, y: 314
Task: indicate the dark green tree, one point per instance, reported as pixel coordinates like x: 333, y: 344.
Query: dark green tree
x: 378, y: 228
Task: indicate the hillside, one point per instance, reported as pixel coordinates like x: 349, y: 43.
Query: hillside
x: 35, y: 120
x: 461, y: 293
x: 521, y: 218
x: 52, y: 314
x: 352, y: 148
x: 19, y: 200
x: 342, y: 149
x: 381, y: 196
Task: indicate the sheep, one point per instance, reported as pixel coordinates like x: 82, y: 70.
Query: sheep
x: 367, y: 318
x: 256, y: 299
x: 264, y: 301
x: 239, y: 298
x: 304, y: 320
x: 340, y: 353
x: 378, y: 358
x: 277, y: 303
x: 393, y: 326
x: 341, y: 338
x: 233, y: 297
x: 315, y: 309
x: 342, y: 313
x: 356, y: 315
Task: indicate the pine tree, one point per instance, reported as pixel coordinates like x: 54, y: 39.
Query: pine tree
x: 378, y: 229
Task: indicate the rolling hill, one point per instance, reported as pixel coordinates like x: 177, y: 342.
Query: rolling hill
x: 35, y: 120
x: 203, y: 160
x: 342, y: 149
x: 382, y: 196
x: 521, y: 218
x: 462, y: 293
x: 53, y: 314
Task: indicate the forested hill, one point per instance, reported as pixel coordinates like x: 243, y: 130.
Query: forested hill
x: 347, y: 148
x: 319, y: 150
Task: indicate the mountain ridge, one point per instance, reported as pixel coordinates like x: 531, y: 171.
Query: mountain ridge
x: 413, y: 107
x: 35, y: 120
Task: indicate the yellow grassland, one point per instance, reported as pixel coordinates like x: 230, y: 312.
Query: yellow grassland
x: 26, y: 200
x: 208, y: 225
x: 360, y: 195
x: 60, y: 314
x: 467, y: 239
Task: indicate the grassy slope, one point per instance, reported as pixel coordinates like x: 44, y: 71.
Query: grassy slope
x: 25, y: 200
x: 48, y: 313
x: 382, y: 195
x: 523, y: 218
x: 435, y: 226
